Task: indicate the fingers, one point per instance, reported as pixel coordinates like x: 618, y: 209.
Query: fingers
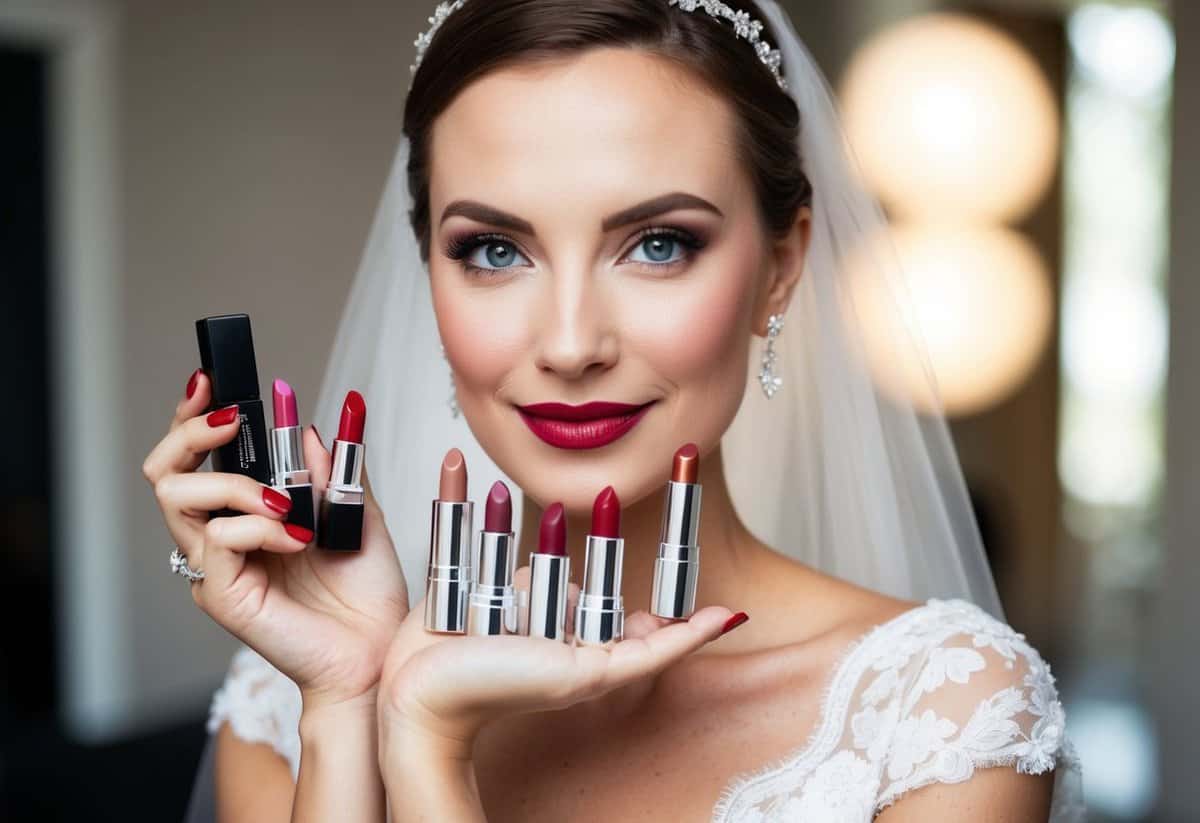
x: 187, y: 444
x: 197, y: 393
x: 638, y: 657
x: 227, y: 539
x: 199, y: 493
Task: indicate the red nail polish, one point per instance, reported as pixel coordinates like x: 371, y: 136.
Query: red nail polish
x: 223, y: 417
x: 735, y: 621
x: 191, y: 384
x: 277, y: 502
x: 298, y: 532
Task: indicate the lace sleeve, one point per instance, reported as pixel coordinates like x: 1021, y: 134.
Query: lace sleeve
x: 980, y: 697
x: 261, y: 704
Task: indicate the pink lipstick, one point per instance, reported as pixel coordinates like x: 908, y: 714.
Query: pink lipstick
x: 288, y: 472
x: 493, y: 604
x: 448, y: 580
x: 341, y: 514
x: 588, y: 426
x: 549, y: 577
x: 677, y: 567
x: 600, y: 615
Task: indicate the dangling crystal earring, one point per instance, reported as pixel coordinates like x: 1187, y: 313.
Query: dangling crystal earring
x: 453, y: 401
x: 767, y: 378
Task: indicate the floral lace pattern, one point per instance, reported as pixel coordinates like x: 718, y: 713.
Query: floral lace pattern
x: 929, y: 696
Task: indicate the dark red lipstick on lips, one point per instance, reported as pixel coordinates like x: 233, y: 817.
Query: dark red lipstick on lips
x: 600, y: 615
x: 549, y: 577
x: 341, y: 514
x: 288, y: 472
x: 493, y: 601
x: 588, y: 426
x: 677, y: 567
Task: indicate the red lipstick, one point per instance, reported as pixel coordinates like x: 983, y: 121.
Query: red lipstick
x: 288, y: 472
x: 448, y: 581
x: 493, y: 601
x: 549, y: 577
x: 341, y: 515
x: 600, y: 615
x: 588, y: 426
x: 677, y: 567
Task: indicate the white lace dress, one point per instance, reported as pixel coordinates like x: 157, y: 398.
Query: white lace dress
x: 929, y: 696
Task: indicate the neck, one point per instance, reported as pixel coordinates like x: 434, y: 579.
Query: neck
x: 725, y: 542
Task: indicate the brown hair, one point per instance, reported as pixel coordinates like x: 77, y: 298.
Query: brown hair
x: 486, y: 35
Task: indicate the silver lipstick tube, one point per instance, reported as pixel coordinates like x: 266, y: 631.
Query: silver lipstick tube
x: 600, y: 615
x: 677, y: 567
x: 340, y: 519
x: 492, y: 603
x: 449, y: 579
x: 549, y: 577
x: 289, y: 474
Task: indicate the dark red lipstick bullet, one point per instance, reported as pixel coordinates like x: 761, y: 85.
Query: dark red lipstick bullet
x: 549, y: 577
x: 493, y: 601
x: 600, y: 615
x: 341, y: 515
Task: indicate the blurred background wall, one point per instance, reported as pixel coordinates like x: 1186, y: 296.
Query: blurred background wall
x: 166, y: 161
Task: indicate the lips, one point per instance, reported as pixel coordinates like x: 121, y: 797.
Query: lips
x: 587, y: 426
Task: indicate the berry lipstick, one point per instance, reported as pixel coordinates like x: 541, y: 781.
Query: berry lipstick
x: 493, y: 605
x: 600, y: 615
x: 288, y: 472
x: 341, y: 514
x: 588, y: 426
x: 677, y: 567
x: 549, y: 576
x: 449, y: 576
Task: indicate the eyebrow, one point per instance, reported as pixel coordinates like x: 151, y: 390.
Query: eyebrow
x: 642, y: 211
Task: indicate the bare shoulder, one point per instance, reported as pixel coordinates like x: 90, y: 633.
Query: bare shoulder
x: 253, y: 782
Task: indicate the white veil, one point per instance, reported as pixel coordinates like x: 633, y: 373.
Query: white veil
x: 831, y: 471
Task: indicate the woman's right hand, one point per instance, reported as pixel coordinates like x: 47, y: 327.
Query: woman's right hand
x: 324, y: 619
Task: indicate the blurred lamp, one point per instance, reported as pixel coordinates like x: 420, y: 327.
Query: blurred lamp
x: 983, y: 306
x: 951, y: 119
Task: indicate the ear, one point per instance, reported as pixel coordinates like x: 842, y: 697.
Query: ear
x: 786, y: 265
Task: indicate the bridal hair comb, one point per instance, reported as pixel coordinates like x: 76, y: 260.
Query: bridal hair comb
x: 743, y: 26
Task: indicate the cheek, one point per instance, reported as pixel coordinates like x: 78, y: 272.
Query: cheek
x: 478, y: 330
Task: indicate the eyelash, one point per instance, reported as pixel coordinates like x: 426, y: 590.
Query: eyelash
x: 462, y: 248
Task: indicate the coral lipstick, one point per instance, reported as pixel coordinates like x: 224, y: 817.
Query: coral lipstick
x: 341, y: 513
x: 677, y: 567
x: 549, y: 577
x: 600, y: 615
x: 588, y: 426
x: 448, y: 580
x: 493, y: 604
x: 288, y: 472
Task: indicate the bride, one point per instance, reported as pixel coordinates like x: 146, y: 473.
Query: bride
x: 626, y: 201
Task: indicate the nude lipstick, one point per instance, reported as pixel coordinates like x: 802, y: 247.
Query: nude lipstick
x: 341, y: 514
x: 587, y: 426
x: 288, y: 472
x: 492, y: 607
x: 448, y: 580
x: 677, y: 568
x: 227, y: 357
x: 600, y: 615
x: 549, y: 576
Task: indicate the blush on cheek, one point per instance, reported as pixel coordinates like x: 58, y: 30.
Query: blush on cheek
x: 483, y: 332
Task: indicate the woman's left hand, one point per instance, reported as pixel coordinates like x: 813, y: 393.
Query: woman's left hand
x: 440, y: 689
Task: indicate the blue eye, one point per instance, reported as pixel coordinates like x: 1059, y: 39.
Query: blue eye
x: 659, y: 244
x: 484, y: 253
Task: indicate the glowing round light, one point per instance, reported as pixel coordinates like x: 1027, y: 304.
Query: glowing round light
x: 982, y: 304
x: 951, y: 119
x: 1131, y: 50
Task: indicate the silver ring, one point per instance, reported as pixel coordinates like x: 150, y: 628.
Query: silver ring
x: 179, y: 565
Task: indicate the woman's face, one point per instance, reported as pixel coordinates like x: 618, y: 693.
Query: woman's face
x: 558, y: 297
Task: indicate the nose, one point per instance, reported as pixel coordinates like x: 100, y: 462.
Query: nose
x: 576, y: 334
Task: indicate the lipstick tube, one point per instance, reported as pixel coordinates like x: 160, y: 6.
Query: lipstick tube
x: 448, y: 581
x: 677, y: 567
x: 341, y: 515
x: 549, y: 577
x: 600, y: 614
x: 492, y: 607
x: 227, y: 358
x: 288, y: 472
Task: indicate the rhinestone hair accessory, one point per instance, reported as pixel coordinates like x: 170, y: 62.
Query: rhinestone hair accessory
x: 744, y: 26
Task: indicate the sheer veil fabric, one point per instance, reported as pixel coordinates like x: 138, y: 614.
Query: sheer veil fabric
x: 833, y: 471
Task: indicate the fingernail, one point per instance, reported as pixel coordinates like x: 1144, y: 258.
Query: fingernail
x: 276, y: 501
x: 735, y: 621
x: 298, y: 532
x: 191, y: 384
x: 223, y: 417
